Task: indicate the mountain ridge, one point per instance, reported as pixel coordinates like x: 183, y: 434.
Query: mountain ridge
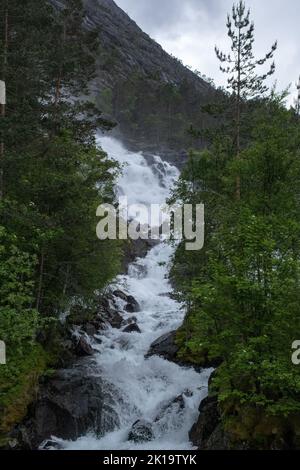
x: 152, y: 96
x: 114, y: 24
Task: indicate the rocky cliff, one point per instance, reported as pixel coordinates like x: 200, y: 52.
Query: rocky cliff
x: 153, y: 97
x: 136, y: 50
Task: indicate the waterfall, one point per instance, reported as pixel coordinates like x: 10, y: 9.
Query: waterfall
x: 145, y: 389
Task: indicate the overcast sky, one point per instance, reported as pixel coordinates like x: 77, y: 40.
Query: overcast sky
x: 189, y: 29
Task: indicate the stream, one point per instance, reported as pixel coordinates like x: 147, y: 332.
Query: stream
x: 154, y: 390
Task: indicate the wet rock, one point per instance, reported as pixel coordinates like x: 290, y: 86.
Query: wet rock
x: 141, y: 431
x: 206, y: 431
x: 90, y: 329
x: 70, y: 404
x: 170, y: 295
x: 137, y: 249
x: 12, y: 444
x: 129, y: 321
x: 132, y: 306
x: 175, y: 406
x: 50, y: 444
x: 165, y: 347
x: 108, y: 313
x: 83, y: 347
x: 119, y: 293
x: 132, y: 328
x: 179, y: 402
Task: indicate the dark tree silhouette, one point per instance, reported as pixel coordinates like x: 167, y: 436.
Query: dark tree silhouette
x: 241, y: 66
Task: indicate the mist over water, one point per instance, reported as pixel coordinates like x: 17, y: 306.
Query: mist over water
x: 142, y: 388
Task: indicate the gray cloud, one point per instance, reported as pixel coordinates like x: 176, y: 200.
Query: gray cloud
x: 156, y: 14
x: 190, y: 29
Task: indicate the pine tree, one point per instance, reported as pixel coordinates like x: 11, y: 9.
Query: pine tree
x: 243, y: 81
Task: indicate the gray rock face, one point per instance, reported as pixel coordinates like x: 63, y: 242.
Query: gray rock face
x: 136, y: 50
x: 127, y: 52
x: 165, y: 347
x: 68, y: 406
x: 141, y: 431
x: 206, y: 432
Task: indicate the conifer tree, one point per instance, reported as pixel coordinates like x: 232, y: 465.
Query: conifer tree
x: 243, y: 80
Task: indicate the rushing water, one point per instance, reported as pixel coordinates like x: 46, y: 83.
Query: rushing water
x: 146, y: 388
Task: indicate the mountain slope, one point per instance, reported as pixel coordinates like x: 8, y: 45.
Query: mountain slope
x: 137, y: 51
x: 153, y: 97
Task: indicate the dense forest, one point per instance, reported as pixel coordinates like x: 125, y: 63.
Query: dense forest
x: 243, y: 287
x: 53, y: 177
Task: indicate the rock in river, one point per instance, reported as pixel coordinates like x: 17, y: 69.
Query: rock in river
x: 165, y: 347
x: 141, y: 431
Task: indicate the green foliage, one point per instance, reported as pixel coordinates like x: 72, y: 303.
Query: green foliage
x: 18, y: 321
x: 242, y: 289
x: 160, y: 113
x: 19, y: 384
x: 54, y: 178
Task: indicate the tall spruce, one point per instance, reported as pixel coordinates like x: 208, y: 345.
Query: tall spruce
x: 241, y: 67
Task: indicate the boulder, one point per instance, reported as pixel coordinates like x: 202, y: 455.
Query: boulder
x: 108, y: 313
x: 70, y: 404
x: 132, y: 306
x: 50, y: 444
x: 83, y: 347
x: 141, y: 431
x: 119, y: 293
x: 132, y: 328
x: 207, y: 425
x: 165, y: 347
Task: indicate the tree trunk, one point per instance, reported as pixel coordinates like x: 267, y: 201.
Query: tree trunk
x: 67, y: 280
x: 238, y: 119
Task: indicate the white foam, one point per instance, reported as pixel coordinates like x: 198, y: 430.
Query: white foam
x: 146, y: 387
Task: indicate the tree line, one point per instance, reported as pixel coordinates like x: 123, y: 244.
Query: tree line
x: 242, y: 289
x: 53, y: 177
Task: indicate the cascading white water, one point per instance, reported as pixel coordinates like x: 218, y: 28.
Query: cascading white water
x: 146, y: 388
